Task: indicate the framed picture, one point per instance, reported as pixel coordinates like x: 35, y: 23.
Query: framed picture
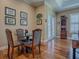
x: 10, y: 12
x: 39, y: 22
x: 23, y: 22
x: 23, y: 14
x: 23, y: 18
x: 39, y: 18
x: 10, y: 20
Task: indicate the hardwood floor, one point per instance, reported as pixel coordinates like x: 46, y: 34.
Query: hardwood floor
x: 53, y: 49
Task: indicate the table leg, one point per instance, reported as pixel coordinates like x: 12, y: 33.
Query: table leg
x: 74, y: 53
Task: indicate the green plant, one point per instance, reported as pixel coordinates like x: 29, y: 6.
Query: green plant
x: 39, y: 16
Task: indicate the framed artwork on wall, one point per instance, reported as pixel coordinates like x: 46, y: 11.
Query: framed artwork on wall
x: 23, y: 18
x: 10, y: 12
x: 39, y: 18
x: 10, y: 21
x: 39, y: 22
x: 10, y: 16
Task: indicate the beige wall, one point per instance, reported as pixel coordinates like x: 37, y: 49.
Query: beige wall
x: 19, y: 6
x: 41, y: 9
x: 67, y: 12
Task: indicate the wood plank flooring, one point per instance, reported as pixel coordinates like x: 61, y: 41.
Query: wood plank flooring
x: 53, y: 49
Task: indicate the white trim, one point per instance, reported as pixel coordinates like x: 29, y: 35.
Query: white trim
x: 3, y: 48
x: 45, y: 41
x: 58, y: 37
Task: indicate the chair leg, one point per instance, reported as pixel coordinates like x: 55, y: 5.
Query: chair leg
x: 33, y: 52
x: 74, y: 53
x: 39, y: 49
x: 8, y: 52
x: 19, y: 50
x: 22, y: 49
x: 12, y: 52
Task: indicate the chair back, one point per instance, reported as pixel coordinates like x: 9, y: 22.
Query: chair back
x: 26, y: 32
x: 9, y: 37
x: 37, y: 36
x: 20, y: 34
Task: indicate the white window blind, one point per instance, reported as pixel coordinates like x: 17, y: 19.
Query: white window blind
x: 74, y: 25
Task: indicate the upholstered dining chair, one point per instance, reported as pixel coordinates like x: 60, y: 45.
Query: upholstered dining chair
x: 36, y: 41
x: 26, y: 34
x: 11, y: 44
x: 21, y: 35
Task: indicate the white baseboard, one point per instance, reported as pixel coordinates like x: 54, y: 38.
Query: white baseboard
x: 58, y: 37
x: 45, y: 41
x: 3, y: 48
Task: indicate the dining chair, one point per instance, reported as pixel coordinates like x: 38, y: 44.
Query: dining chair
x: 21, y: 35
x: 36, y: 41
x: 26, y: 31
x: 75, y: 45
x: 26, y: 34
x: 11, y: 44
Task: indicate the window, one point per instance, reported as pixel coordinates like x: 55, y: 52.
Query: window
x: 51, y: 31
x: 49, y: 27
x: 74, y: 25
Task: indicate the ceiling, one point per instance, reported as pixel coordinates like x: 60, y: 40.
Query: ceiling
x: 34, y: 3
x: 60, y: 5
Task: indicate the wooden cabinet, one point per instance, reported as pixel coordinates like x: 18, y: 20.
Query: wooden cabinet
x: 63, y: 34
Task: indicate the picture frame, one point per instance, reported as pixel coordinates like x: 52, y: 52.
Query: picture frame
x: 39, y: 18
x: 23, y: 14
x: 23, y: 22
x: 39, y: 22
x: 10, y: 20
x: 23, y: 18
x: 10, y: 12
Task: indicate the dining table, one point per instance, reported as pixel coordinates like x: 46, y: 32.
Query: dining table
x: 28, y: 37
